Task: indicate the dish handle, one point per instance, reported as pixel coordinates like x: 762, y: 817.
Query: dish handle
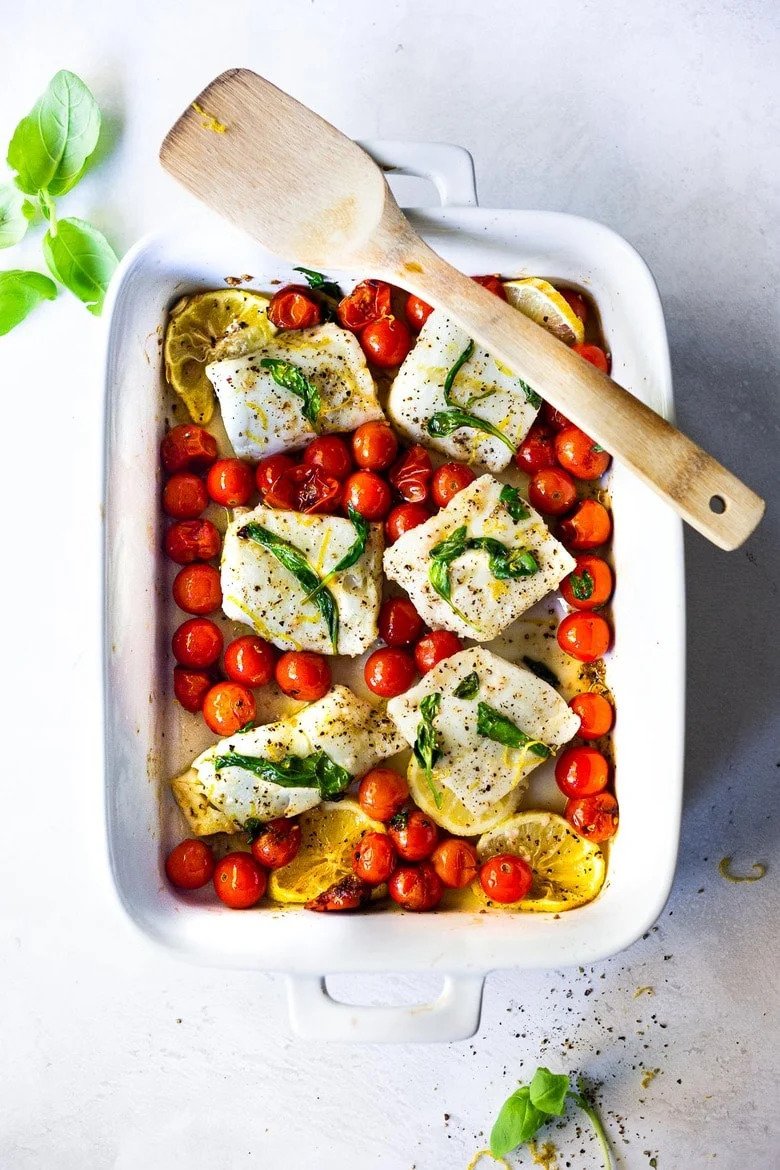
x: 454, y: 1015
x: 450, y: 168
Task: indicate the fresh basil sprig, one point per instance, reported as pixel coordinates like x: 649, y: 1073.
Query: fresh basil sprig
x: 20, y: 292
x: 468, y: 687
x: 444, y: 422
x: 582, y: 585
x: 291, y: 377
x: 426, y: 745
x: 504, y: 563
x: 353, y: 553
x: 514, y: 503
x: 320, y: 283
x: 493, y: 725
x: 532, y: 1106
x: 315, y: 771
x: 51, y: 146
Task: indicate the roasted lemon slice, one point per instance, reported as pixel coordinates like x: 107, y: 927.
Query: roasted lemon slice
x: 226, y: 323
x: 537, y: 299
x: 330, y: 833
x: 568, y: 870
x: 451, y: 813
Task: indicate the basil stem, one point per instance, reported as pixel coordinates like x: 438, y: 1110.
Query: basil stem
x: 467, y: 687
x: 493, y: 725
x: 314, y: 771
x: 426, y: 746
x: 353, y: 553
x: 291, y: 377
x: 444, y: 422
x: 504, y: 563
x: 582, y: 585
x: 514, y: 503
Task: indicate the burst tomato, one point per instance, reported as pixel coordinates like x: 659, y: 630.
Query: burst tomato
x: 412, y: 474
x: 184, y: 496
x: 190, y: 688
x: 552, y: 492
x: 578, y: 454
x: 553, y: 418
x: 230, y: 482
x: 382, y: 793
x: 414, y: 834
x: 228, y: 707
x: 448, y: 480
x: 250, y: 660
x: 374, y: 446
x: 331, y: 454
x: 492, y: 284
x: 434, y: 647
x: 399, y: 622
x: 348, y: 893
x: 239, y: 881
x: 506, y: 878
x: 294, y: 307
x: 417, y: 312
x: 190, y: 865
x: 367, y: 302
x: 581, y: 771
x: 416, y: 887
x: 303, y: 675
x: 389, y: 672
x: 368, y: 494
x: 403, y: 519
x: 537, y: 449
x: 596, y: 714
x: 386, y: 342
x: 593, y: 817
x: 278, y: 843
x: 455, y: 861
x: 196, y: 589
x: 584, y: 636
x: 595, y: 355
x: 590, y: 585
x: 188, y: 447
x: 192, y: 540
x: 588, y: 526
x: 576, y: 301
x: 270, y: 469
x: 197, y: 643
x: 375, y: 858
x: 305, y: 488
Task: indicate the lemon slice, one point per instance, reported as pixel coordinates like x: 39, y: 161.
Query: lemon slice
x: 330, y: 833
x: 451, y: 814
x: 568, y: 870
x: 537, y: 299
x: 228, y: 322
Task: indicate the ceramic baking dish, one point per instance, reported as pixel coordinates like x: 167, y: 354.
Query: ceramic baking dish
x: 645, y: 671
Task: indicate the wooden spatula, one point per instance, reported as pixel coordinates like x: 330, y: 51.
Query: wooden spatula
x: 312, y: 196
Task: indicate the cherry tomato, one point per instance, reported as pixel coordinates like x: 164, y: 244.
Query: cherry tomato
x: 584, y: 636
x: 303, y: 675
x: 188, y: 447
x: 250, y: 660
x: 196, y: 589
x: 190, y: 688
x: 399, y: 622
x: 593, y: 817
x: 434, y: 647
x: 313, y: 490
x: 190, y: 865
x: 348, y: 893
x: 448, y: 480
x: 414, y: 834
x: 581, y: 771
x: 228, y: 707
x: 537, y: 449
x: 374, y: 446
x: 417, y: 312
x: 389, y: 672
x: 192, y: 540
x: 277, y: 844
x: 368, y: 494
x: 230, y: 482
x: 590, y: 585
x: 270, y: 469
x: 239, y: 881
x: 552, y: 492
x: 375, y: 858
x: 382, y: 793
x: 492, y: 284
x: 184, y: 496
x: 416, y: 887
x: 197, y: 642
x: 506, y: 878
x: 367, y: 302
x: 386, y: 342
x: 579, y: 454
x: 588, y: 526
x: 596, y: 714
x: 595, y: 355
x: 576, y: 301
x: 403, y: 519
x: 553, y: 418
x: 293, y: 307
x: 455, y: 861
x: 412, y: 474
x: 331, y: 454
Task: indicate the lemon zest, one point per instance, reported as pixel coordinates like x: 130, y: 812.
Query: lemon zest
x: 648, y: 1076
x: 209, y: 121
x: 644, y: 991
x: 545, y: 1155
x: 724, y: 869
x: 256, y: 621
x: 486, y: 1153
x: 262, y: 416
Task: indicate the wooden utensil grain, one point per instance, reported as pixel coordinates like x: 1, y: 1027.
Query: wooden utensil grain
x: 312, y: 195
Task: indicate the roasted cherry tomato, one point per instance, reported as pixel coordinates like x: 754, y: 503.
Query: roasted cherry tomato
x: 192, y: 540
x: 196, y: 589
x: 581, y: 771
x: 537, y: 449
x: 386, y: 342
x: 593, y: 817
x: 303, y: 675
x: 250, y: 660
x: 416, y: 887
x: 230, y: 482
x: 455, y: 861
x: 315, y: 491
x: 576, y: 302
x: 403, y: 519
x: 278, y: 843
x: 389, y: 672
x: 578, y: 454
x: 588, y: 526
x: 552, y: 491
x: 596, y: 714
x: 190, y: 865
x: 506, y: 878
x: 382, y: 793
x: 368, y: 494
x: 188, y: 447
x: 374, y: 446
x: 399, y: 622
x: 590, y: 585
x: 197, y: 642
x: 417, y: 312
x: 191, y: 687
x: 270, y: 469
x: 584, y: 636
x: 492, y: 284
x: 375, y: 858
x: 331, y: 454
x: 184, y: 496
x: 228, y: 707
x: 553, y: 418
x: 367, y: 302
x: 595, y: 355
x: 434, y: 647
x: 348, y: 893
x: 414, y: 834
x: 448, y: 480
x: 293, y: 307
x: 412, y: 474
x: 239, y: 881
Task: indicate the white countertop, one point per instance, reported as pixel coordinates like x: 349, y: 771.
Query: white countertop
x: 656, y: 121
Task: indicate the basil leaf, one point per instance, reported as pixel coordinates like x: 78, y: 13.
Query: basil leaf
x: 531, y: 397
x: 20, y: 292
x: 493, y: 725
x: 320, y: 283
x: 581, y: 585
x: 353, y: 553
x: 426, y: 745
x: 514, y: 503
x: 542, y: 671
x: 81, y: 258
x: 504, y: 563
x: 15, y: 213
x: 467, y: 687
x: 454, y: 371
x: 51, y: 146
x: 290, y: 377
x: 253, y: 826
x: 314, y: 771
x: 444, y: 422
x: 516, y: 1124
x: 548, y: 1091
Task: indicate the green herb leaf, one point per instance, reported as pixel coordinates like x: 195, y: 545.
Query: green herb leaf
x: 315, y: 771
x: 20, y: 292
x: 581, y: 585
x: 493, y: 725
x: 542, y: 671
x: 531, y: 1106
x: 514, y: 503
x: 468, y: 687
x: 454, y: 371
x: 444, y: 422
x: 504, y: 562
x: 320, y: 283
x: 516, y: 1124
x: 290, y: 377
x: 353, y: 553
x: 548, y: 1091
x: 81, y: 258
x: 531, y: 397
x: 253, y: 826
x: 14, y: 216
x: 50, y: 148
x: 426, y: 746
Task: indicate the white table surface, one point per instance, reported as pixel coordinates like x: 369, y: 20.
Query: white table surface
x: 659, y: 120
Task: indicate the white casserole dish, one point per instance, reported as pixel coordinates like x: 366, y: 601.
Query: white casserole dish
x: 646, y: 669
